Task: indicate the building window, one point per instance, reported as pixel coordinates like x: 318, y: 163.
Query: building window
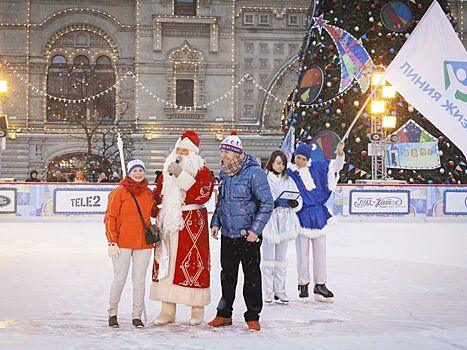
x: 294, y: 20
x: 185, y: 7
x: 80, y: 79
x: 185, y: 92
x: 248, y: 19
x: 264, y: 19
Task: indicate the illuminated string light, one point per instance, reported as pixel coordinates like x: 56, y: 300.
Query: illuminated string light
x: 233, y: 63
x: 67, y: 11
x: 278, y: 12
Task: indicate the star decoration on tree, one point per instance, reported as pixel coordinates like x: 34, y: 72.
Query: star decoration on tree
x: 320, y: 22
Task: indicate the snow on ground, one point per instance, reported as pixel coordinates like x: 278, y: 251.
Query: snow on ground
x: 398, y: 285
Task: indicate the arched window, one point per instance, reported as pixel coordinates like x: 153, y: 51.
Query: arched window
x: 80, y: 78
x: 104, y: 77
x: 57, y: 85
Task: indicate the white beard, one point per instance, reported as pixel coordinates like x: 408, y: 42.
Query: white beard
x: 170, y: 216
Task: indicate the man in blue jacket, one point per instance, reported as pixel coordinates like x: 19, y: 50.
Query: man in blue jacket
x: 243, y: 209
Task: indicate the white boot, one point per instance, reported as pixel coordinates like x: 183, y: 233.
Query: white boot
x: 197, y: 315
x: 167, y: 314
x: 282, y: 297
x: 268, y: 297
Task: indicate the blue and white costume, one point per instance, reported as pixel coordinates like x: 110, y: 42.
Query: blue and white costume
x: 315, y: 184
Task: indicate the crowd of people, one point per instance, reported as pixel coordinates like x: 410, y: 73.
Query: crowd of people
x: 258, y: 212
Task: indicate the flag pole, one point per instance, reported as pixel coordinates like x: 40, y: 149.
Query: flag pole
x: 120, y: 150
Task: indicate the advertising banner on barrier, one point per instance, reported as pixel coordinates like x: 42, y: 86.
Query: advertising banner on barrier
x: 455, y: 202
x: 7, y: 200
x: 372, y: 202
x: 80, y: 201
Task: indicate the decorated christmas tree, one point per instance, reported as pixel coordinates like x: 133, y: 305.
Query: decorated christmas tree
x: 345, y: 42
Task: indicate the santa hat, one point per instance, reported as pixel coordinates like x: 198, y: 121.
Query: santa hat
x: 304, y: 150
x: 232, y: 143
x: 135, y: 164
x: 189, y: 140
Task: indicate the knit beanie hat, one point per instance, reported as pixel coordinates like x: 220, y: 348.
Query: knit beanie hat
x: 135, y: 164
x: 304, y: 150
x: 232, y: 143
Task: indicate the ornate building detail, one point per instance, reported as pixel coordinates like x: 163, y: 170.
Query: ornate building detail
x: 179, y: 25
x: 281, y: 86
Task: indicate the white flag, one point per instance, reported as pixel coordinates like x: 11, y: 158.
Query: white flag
x: 430, y: 72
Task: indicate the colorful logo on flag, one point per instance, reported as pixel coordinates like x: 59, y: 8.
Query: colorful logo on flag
x: 455, y: 74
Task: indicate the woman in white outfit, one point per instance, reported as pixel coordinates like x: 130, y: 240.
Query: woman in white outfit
x: 280, y: 229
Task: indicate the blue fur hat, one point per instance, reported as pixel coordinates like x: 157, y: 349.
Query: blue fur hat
x: 304, y: 150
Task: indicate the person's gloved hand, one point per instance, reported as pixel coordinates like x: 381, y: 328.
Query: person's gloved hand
x: 174, y: 168
x: 293, y: 203
x: 113, y: 250
x: 276, y: 204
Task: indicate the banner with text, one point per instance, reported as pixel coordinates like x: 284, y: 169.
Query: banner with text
x: 80, y: 201
x: 391, y: 202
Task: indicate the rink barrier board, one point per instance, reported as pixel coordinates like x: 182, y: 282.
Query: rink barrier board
x: 379, y: 202
x: 41, y: 199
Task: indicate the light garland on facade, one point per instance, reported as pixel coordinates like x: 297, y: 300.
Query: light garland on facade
x: 84, y: 28
x: 148, y: 129
x: 28, y: 52
x: 62, y: 99
x: 145, y: 89
x: 138, y: 24
x: 278, y: 12
x: 66, y: 11
x: 233, y: 63
x: 461, y: 29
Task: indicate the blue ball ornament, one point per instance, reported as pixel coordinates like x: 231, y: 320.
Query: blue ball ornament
x: 355, y: 90
x: 430, y: 182
x: 320, y: 100
x: 391, y: 51
x: 349, y: 151
x: 327, y: 111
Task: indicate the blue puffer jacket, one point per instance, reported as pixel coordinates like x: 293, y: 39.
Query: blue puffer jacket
x: 244, y: 201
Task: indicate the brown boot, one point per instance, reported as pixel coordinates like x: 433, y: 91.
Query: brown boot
x: 220, y: 322
x: 253, y: 326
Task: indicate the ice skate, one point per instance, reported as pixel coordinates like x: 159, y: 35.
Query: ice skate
x: 303, y: 288
x: 282, y: 297
x: 323, y: 294
x: 268, y: 296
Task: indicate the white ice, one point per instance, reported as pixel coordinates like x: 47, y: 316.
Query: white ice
x: 398, y: 285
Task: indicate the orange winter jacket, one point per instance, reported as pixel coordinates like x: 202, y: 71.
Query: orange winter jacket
x: 122, y: 221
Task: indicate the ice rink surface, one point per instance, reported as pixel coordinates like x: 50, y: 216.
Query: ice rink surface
x: 398, y: 285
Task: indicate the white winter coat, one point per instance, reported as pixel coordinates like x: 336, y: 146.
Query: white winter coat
x: 283, y: 223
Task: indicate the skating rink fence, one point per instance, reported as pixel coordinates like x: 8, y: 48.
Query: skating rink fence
x: 402, y: 201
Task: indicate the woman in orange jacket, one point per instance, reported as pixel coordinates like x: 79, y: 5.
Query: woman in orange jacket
x: 125, y: 234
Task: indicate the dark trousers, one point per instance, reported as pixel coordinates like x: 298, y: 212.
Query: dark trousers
x: 234, y: 251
